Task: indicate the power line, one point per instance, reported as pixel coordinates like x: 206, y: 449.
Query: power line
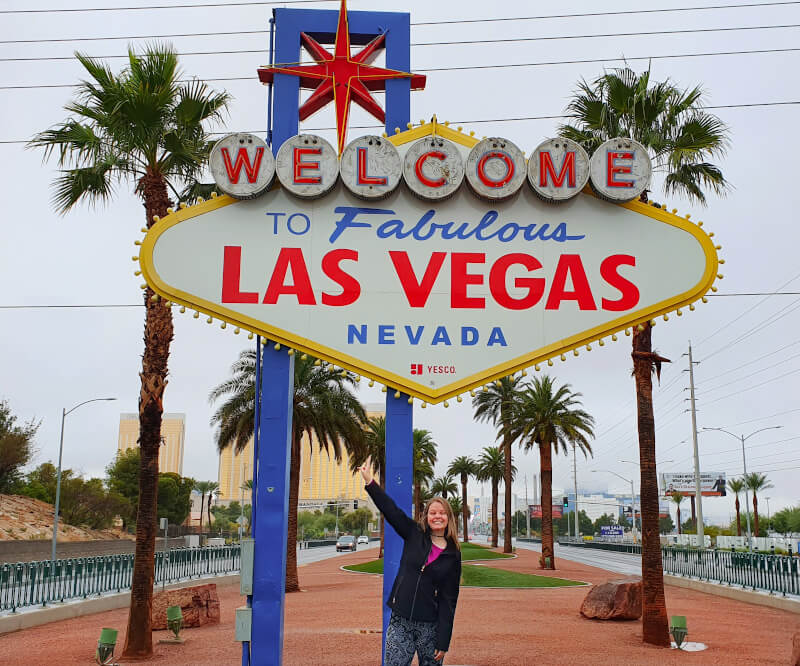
x: 71, y: 307
x: 453, y: 43
x: 744, y: 365
x: 755, y: 372
x: 296, y: 2
x: 764, y: 418
x: 750, y: 388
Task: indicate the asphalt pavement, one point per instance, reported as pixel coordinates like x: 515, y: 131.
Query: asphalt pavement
x: 309, y: 555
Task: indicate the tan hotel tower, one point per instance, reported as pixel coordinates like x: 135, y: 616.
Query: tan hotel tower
x: 173, y: 433
x: 322, y: 479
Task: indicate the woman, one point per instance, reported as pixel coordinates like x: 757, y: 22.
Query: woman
x: 425, y: 591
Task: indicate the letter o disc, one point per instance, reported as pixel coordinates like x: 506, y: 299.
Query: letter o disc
x: 433, y: 168
x: 558, y: 169
x: 307, y: 166
x: 242, y: 165
x: 620, y: 169
x: 495, y: 169
x: 371, y: 167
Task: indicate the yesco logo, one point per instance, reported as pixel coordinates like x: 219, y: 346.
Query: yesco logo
x: 416, y: 368
x: 420, y: 369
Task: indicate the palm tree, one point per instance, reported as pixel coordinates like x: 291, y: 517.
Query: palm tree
x: 142, y: 127
x: 374, y: 447
x: 323, y: 408
x: 681, y: 138
x: 756, y: 482
x: 495, y: 404
x: 737, y: 486
x: 678, y: 498
x: 550, y: 418
x: 212, y: 488
x: 463, y: 466
x: 455, y: 505
x: 425, y: 456
x: 203, y: 487
x: 444, y: 485
x: 491, y: 467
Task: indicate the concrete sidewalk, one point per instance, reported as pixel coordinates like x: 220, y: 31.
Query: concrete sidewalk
x: 336, y: 622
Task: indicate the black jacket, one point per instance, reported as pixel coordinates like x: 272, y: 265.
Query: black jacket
x: 423, y: 593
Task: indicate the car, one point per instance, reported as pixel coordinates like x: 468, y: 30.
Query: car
x: 363, y: 539
x: 346, y: 542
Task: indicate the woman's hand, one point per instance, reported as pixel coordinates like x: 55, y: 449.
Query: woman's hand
x: 366, y: 471
x: 439, y: 655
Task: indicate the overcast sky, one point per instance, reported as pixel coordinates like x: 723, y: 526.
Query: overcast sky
x: 747, y: 346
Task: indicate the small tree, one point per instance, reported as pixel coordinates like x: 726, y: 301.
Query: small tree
x: 737, y: 486
x: 677, y: 498
x: 16, y: 447
x: 756, y: 482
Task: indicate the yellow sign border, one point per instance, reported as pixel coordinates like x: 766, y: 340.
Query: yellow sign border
x: 399, y: 382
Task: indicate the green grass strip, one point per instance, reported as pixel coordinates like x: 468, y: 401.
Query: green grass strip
x: 471, y: 551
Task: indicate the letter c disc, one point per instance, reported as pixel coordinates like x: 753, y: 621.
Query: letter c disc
x: 433, y: 168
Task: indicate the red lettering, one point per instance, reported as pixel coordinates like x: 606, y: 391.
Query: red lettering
x: 351, y: 289
x: 417, y: 292
x: 290, y: 258
x: 436, y: 154
x: 300, y: 166
x: 242, y: 160
x: 614, y: 169
x: 629, y: 292
x: 482, y: 169
x: 497, y: 282
x: 363, y: 178
x: 231, y: 276
x: 460, y: 279
x: 547, y: 169
x: 570, y: 267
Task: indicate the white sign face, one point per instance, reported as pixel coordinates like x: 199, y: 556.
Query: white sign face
x: 242, y: 165
x: 711, y: 484
x: 429, y: 300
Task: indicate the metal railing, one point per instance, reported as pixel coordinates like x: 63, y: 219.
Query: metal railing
x: 616, y: 546
x: 40, y: 583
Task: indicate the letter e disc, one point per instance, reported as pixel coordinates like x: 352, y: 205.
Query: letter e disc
x: 242, y: 165
x: 495, y: 169
x: 433, y: 168
x: 371, y: 167
x: 620, y: 169
x: 307, y: 166
x: 558, y: 169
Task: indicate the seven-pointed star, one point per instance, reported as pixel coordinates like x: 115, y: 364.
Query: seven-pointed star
x: 340, y: 77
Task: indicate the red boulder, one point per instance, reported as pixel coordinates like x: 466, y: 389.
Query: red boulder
x: 199, y: 604
x: 614, y: 600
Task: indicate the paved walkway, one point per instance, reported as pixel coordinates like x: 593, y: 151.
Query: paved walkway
x: 336, y: 622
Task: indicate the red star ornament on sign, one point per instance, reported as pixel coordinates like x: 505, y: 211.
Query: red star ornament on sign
x: 340, y: 77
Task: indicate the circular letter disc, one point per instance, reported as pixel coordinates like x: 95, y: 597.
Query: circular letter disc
x: 558, y: 169
x: 242, y: 165
x: 621, y: 170
x: 495, y: 169
x: 433, y: 168
x: 371, y: 167
x: 307, y: 166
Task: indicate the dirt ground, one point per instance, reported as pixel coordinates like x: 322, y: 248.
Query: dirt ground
x: 336, y: 622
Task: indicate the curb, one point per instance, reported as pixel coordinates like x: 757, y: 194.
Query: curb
x: 25, y: 619
x: 737, y: 593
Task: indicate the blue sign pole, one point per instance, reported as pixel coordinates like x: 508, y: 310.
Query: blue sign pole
x: 271, y: 490
x: 399, y: 486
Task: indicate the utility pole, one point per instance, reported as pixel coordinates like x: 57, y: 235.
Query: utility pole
x: 698, y: 492
x: 575, y: 480
x: 528, y: 510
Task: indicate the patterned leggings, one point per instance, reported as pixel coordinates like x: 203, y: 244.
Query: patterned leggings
x: 405, y: 637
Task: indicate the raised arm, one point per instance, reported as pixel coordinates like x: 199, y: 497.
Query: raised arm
x: 395, y: 516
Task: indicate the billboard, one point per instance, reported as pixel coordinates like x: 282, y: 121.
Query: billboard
x: 536, y: 510
x: 611, y: 530
x: 711, y: 484
x: 430, y: 284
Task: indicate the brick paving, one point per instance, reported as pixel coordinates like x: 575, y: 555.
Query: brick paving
x: 335, y: 621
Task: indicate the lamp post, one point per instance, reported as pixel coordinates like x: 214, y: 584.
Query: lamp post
x: 742, y: 438
x: 633, y: 462
x: 633, y: 496
x: 769, y: 521
x: 64, y: 413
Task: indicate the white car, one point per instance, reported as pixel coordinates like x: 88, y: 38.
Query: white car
x: 363, y: 539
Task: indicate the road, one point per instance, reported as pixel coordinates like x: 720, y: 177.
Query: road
x: 309, y: 555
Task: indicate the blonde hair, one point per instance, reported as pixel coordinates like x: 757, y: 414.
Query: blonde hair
x: 451, y: 532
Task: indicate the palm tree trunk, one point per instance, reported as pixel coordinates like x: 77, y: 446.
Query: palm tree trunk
x: 507, y: 479
x: 679, y: 520
x: 417, y: 510
x: 494, y: 513
x: 755, y: 513
x: 694, y: 515
x: 655, y: 627
x: 546, y: 465
x: 464, y: 506
x: 738, y: 519
x: 158, y: 333
x: 208, y: 510
x: 202, y: 505
x: 292, y: 579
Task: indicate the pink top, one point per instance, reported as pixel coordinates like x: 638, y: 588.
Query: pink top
x: 435, y: 552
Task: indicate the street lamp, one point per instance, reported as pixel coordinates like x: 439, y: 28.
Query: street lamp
x: 744, y: 466
x: 64, y: 413
x: 633, y: 496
